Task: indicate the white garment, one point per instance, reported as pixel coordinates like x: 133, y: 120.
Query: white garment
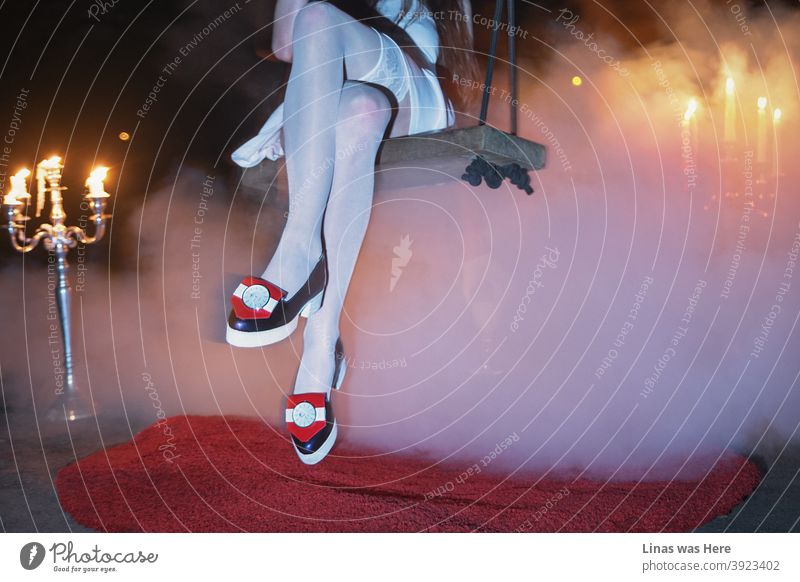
x: 391, y: 70
x: 418, y: 22
x: 430, y: 109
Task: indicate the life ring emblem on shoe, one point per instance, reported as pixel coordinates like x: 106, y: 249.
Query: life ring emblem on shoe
x: 256, y: 298
x: 305, y: 415
x: 262, y: 314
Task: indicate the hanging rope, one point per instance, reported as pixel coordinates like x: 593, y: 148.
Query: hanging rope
x: 481, y: 170
x: 512, y: 60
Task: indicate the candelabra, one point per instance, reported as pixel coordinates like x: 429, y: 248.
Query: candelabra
x: 58, y: 238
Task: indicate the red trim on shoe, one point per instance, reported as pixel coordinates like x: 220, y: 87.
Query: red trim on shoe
x: 311, y: 406
x: 242, y: 311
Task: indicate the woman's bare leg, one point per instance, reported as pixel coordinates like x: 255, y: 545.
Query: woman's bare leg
x: 364, y: 113
x: 326, y: 42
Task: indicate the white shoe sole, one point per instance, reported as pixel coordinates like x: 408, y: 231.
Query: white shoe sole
x: 257, y: 339
x: 322, y: 452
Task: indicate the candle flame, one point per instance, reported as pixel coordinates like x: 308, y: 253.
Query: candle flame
x: 762, y: 103
x: 776, y: 115
x: 43, y: 170
x: 730, y: 86
x: 52, y: 162
x: 690, y: 109
x: 19, y: 188
x: 95, y: 183
x: 99, y: 173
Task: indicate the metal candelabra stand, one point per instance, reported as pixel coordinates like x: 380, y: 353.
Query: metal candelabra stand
x: 58, y: 238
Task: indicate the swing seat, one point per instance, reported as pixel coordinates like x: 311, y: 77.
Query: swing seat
x: 424, y: 159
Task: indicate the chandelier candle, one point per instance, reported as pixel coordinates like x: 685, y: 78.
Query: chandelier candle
x: 58, y: 239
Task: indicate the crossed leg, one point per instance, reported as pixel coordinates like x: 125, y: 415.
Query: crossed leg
x: 330, y: 166
x: 364, y: 113
x: 328, y: 46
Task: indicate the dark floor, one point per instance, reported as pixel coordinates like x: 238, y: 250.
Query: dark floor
x: 31, y: 455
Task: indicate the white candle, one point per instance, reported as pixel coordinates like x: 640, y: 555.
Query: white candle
x: 761, y: 143
x: 95, y: 183
x: 730, y: 111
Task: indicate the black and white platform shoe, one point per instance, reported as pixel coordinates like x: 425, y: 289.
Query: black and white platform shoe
x: 262, y: 314
x: 310, y: 419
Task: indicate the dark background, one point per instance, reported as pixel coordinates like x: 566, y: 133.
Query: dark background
x: 87, y: 77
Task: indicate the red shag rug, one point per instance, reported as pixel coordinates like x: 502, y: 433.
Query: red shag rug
x: 214, y: 474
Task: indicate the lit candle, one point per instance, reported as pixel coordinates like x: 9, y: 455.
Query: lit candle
x: 691, y: 108
x: 690, y: 124
x: 19, y: 188
x: 761, y: 144
x: 45, y: 166
x: 730, y: 111
x: 776, y: 122
x: 95, y: 183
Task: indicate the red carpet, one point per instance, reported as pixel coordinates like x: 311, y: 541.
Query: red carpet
x: 237, y: 474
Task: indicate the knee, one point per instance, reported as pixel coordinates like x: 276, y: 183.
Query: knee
x: 364, y: 113
x: 315, y: 20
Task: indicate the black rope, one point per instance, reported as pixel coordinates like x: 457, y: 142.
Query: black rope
x: 512, y: 58
x: 498, y: 13
x: 493, y: 174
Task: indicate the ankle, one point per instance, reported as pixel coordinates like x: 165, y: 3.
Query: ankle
x: 301, y: 256
x: 301, y: 247
x: 319, y: 343
x: 317, y: 369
